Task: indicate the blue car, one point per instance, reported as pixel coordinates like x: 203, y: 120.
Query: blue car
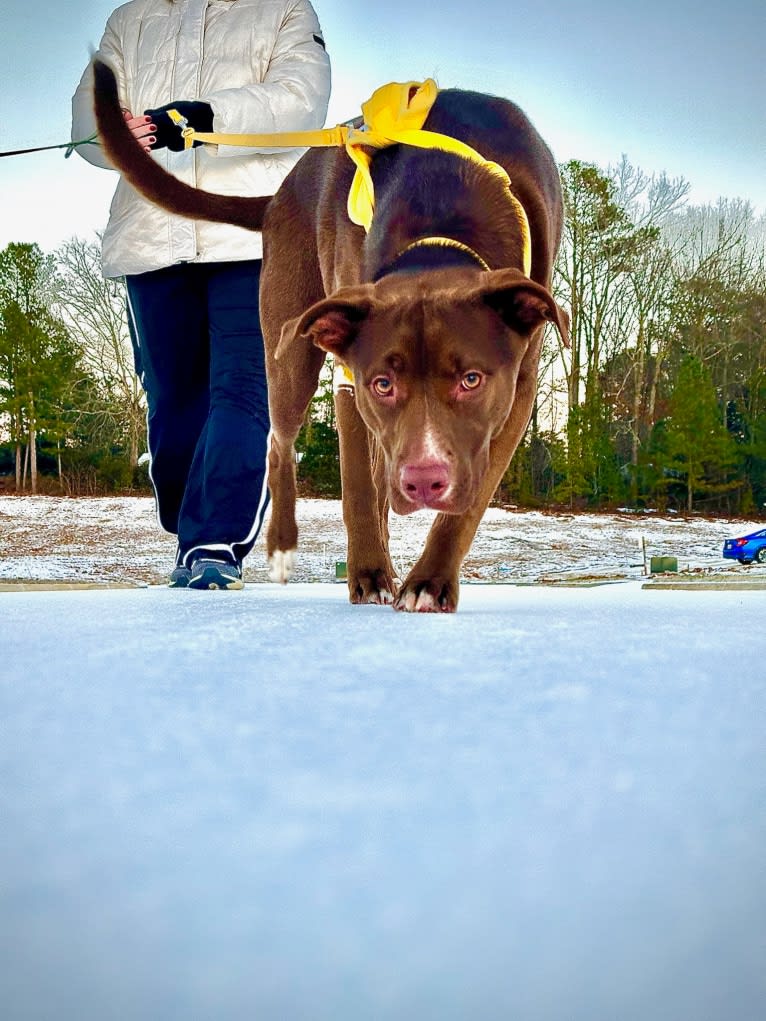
x: 747, y: 549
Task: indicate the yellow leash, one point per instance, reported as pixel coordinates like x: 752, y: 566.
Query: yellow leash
x: 394, y: 114
x: 323, y: 137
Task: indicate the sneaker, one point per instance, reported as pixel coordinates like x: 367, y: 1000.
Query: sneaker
x: 214, y: 573
x: 180, y: 577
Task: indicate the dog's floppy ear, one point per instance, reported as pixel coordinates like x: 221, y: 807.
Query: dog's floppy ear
x: 332, y: 324
x: 522, y: 303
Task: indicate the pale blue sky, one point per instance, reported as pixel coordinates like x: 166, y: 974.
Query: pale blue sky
x: 676, y: 86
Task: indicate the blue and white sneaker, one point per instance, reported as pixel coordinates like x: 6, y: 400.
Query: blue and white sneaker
x: 209, y: 572
x: 180, y: 575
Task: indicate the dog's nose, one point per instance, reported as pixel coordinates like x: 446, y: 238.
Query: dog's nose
x: 425, y: 483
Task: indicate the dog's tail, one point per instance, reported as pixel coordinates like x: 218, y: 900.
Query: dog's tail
x: 149, y: 178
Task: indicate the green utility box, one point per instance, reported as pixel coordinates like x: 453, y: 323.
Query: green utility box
x: 663, y: 565
x: 341, y: 572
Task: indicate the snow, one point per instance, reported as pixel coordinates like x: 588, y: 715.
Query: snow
x: 119, y: 540
x: 272, y: 804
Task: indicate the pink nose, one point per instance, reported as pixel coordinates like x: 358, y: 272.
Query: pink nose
x: 425, y: 483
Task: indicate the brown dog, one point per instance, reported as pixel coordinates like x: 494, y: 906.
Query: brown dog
x: 431, y: 311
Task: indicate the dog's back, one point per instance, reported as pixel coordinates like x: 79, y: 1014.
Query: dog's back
x: 424, y: 191
x: 502, y: 132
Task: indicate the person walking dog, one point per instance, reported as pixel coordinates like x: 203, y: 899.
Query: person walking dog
x: 232, y: 66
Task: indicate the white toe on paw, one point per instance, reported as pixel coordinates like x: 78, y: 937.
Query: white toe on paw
x: 281, y: 565
x: 426, y: 603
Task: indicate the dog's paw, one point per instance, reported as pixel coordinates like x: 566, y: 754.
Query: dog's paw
x: 374, y: 587
x: 281, y: 565
x: 429, y: 595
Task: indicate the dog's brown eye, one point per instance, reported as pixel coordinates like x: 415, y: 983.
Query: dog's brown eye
x: 382, y: 386
x: 471, y: 380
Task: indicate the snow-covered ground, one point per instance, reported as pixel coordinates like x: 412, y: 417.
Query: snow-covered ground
x: 270, y: 804
x: 119, y: 540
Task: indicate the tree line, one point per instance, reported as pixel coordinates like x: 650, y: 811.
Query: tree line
x: 72, y: 413
x: 659, y: 402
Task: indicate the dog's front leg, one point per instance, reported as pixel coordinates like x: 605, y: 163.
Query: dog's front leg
x: 432, y: 586
x: 365, y: 509
x: 282, y: 534
x: 292, y: 382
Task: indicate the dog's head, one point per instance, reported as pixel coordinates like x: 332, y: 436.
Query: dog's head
x: 438, y: 361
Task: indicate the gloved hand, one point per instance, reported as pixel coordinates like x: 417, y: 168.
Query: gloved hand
x: 198, y: 114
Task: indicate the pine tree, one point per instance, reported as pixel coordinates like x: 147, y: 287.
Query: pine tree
x: 38, y: 359
x: 696, y: 447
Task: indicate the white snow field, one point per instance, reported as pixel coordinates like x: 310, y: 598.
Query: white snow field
x: 550, y: 806
x: 118, y: 540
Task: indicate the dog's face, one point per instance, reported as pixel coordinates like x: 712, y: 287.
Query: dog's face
x: 436, y: 359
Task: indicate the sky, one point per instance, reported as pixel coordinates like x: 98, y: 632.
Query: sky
x: 271, y: 804
x: 676, y: 86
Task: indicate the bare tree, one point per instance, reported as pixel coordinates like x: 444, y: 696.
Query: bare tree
x: 719, y: 266
x: 94, y: 311
x: 648, y: 199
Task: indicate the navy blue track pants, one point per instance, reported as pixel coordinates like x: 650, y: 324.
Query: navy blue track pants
x: 199, y: 354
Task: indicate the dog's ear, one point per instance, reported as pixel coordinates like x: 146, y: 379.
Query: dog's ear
x: 333, y: 323
x: 523, y: 304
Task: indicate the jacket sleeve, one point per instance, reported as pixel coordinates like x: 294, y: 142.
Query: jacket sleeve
x: 294, y: 93
x: 83, y: 117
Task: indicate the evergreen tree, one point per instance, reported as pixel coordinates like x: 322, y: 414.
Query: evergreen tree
x: 317, y: 443
x: 593, y: 470
x: 696, y: 447
x: 38, y: 359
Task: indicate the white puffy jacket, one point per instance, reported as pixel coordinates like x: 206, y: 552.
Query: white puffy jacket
x: 262, y: 67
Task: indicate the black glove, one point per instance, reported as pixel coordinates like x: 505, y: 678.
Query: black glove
x: 198, y: 114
